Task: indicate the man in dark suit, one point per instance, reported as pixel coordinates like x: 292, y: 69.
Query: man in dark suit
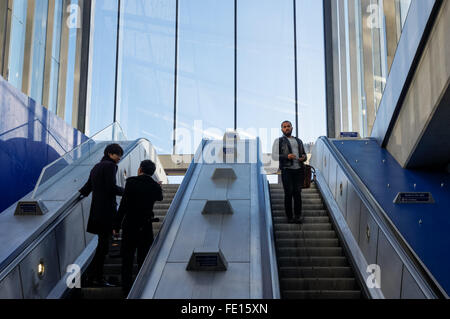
x: 135, y: 218
x: 290, y: 153
x: 102, y: 184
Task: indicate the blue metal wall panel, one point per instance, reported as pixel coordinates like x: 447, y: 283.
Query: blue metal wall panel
x: 30, y: 138
x: 430, y: 239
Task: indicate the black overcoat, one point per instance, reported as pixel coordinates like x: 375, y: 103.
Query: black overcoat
x: 102, y: 184
x: 136, y: 207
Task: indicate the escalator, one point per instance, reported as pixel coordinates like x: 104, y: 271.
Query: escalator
x: 113, y: 261
x: 311, y: 260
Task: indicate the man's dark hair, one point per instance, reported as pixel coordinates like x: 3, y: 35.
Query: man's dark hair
x: 148, y: 167
x: 286, y: 122
x: 113, y: 149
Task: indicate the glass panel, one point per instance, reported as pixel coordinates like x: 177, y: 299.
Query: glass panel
x: 146, y: 71
x: 56, y: 47
x: 39, y: 42
x: 17, y: 44
x: 379, y: 55
x: 311, y: 70
x: 205, y: 101
x: 94, y: 146
x: 266, y: 88
x: 70, y: 84
x: 103, y: 66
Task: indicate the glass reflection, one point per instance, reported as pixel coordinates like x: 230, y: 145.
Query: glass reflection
x: 146, y: 71
x: 39, y: 42
x: 17, y: 45
x: 205, y: 99
x: 265, y: 79
x: 101, y: 101
x: 56, y: 47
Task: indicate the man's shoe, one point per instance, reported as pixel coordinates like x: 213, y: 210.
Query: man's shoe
x: 103, y: 283
x: 298, y: 220
x: 291, y: 221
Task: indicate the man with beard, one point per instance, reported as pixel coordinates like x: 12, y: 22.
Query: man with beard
x: 290, y: 153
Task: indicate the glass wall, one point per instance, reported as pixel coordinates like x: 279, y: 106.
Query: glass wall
x: 103, y: 62
x: 311, y: 70
x: 56, y: 56
x: 39, y: 42
x: 184, y: 72
x: 266, y: 68
x: 368, y: 32
x: 205, y: 99
x: 71, y: 60
x: 145, y: 105
x: 17, y: 43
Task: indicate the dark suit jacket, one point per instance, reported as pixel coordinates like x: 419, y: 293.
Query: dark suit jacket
x: 102, y: 184
x: 136, y: 206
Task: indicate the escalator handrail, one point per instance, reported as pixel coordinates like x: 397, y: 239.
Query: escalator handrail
x: 145, y: 271
x: 16, y: 256
x: 268, y: 231
x: 399, y: 243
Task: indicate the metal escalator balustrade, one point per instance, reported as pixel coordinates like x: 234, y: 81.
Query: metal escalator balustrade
x: 59, y: 239
x: 311, y: 262
x: 113, y: 262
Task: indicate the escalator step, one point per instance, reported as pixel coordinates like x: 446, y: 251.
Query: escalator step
x: 319, y: 284
x: 310, y: 252
x: 312, y: 261
x: 317, y: 294
x: 304, y: 227
x: 289, y: 234
x: 309, y: 242
x: 316, y: 272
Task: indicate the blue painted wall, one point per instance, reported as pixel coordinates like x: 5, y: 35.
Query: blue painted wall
x: 429, y: 239
x: 30, y: 138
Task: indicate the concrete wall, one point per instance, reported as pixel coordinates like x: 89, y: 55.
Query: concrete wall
x: 30, y: 138
x: 424, y: 98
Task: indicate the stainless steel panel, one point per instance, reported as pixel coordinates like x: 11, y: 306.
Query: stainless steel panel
x: 86, y: 207
x: 353, y: 214
x: 391, y: 268
x: 332, y: 179
x: 326, y: 164
x: 177, y: 283
x: 232, y: 284
x: 236, y: 229
x: 368, y: 236
x: 69, y: 238
x: 239, y: 188
x: 10, y: 286
x: 187, y: 239
x: 410, y: 289
x: 341, y: 191
x: 33, y: 286
x: 207, y: 188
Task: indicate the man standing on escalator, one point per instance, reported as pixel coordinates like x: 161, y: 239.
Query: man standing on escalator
x: 135, y: 217
x: 102, y: 184
x: 290, y: 153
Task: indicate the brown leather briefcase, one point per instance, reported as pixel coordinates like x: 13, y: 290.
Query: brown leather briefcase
x: 310, y: 175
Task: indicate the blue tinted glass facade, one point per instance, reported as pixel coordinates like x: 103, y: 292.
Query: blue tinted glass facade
x: 39, y: 41
x: 145, y: 104
x: 205, y: 99
x: 17, y: 44
x: 103, y: 72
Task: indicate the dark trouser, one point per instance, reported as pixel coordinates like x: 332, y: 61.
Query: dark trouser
x: 96, y: 267
x: 292, y: 184
x: 131, y: 240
